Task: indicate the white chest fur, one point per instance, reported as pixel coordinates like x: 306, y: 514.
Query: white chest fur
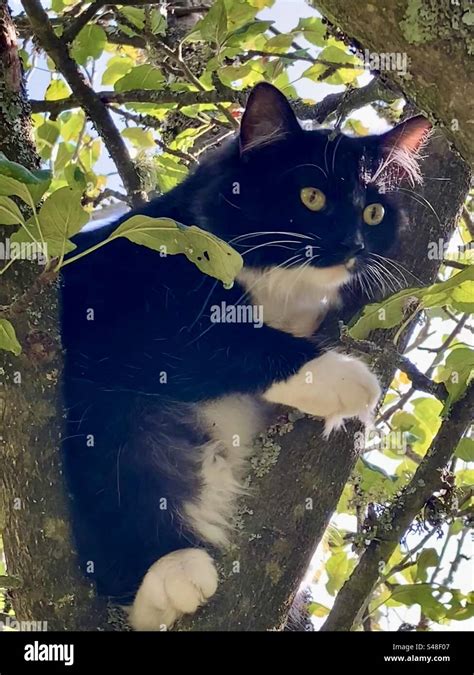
x: 294, y: 300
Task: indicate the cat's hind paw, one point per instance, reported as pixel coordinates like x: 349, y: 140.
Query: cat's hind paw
x: 176, y: 584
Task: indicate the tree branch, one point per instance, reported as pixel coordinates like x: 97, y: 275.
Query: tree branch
x: 393, y: 359
x: 343, y: 103
x: 391, y: 527
x: 94, y: 107
x: 75, y: 27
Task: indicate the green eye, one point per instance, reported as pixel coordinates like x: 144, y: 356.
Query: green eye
x: 373, y: 214
x: 313, y: 199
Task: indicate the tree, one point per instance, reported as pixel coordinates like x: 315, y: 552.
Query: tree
x: 172, y: 85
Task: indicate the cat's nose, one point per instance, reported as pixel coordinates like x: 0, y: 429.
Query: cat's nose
x: 352, y: 245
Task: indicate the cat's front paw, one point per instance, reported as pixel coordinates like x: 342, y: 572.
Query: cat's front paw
x: 334, y: 386
x: 176, y: 584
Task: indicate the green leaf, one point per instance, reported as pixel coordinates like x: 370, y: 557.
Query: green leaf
x: 458, y: 371
x: 17, y: 171
x: 317, y: 609
x: 338, y: 568
x: 170, y: 172
x: 134, y: 15
x: 139, y: 137
x: 261, y: 4
x: 158, y: 22
x: 89, y: 43
x: 60, y: 217
x: 141, y: 77
x: 71, y: 124
x: 465, y: 450
x: 230, y: 74
x: 427, y: 558
x: 420, y: 594
x: 279, y: 43
x: 117, y: 67
x: 389, y: 312
x: 8, y: 339
x: 241, y: 36
x: 10, y: 214
x: 465, y: 477
x: 322, y: 72
x: 377, y: 469
x: 210, y: 254
x: 12, y: 187
x: 213, y: 27
x: 56, y: 90
x: 312, y: 29
x: 47, y: 135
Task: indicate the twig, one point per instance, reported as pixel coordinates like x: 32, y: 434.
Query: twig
x: 427, y: 479
x: 391, y: 358
x: 149, y: 121
x: 75, y: 27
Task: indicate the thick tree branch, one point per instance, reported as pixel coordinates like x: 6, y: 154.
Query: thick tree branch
x: 36, y: 534
x: 392, y: 526
x: 393, y: 359
x: 342, y: 103
x: 89, y: 100
x: 438, y: 47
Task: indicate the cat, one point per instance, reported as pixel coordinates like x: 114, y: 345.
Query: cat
x: 164, y: 394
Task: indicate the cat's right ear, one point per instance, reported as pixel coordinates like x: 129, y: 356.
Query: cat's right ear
x: 268, y: 117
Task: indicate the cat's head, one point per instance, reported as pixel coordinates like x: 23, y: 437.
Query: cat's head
x: 283, y: 196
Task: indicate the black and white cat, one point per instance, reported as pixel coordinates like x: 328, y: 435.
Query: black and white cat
x: 163, y: 400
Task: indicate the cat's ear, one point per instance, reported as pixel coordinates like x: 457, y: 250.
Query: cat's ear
x: 407, y: 136
x: 400, y: 148
x: 268, y: 117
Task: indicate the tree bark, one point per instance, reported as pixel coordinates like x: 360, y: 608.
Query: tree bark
x: 437, y: 37
x: 36, y: 534
x: 299, y: 486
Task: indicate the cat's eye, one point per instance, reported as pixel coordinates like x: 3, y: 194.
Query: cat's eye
x: 313, y: 199
x: 373, y: 214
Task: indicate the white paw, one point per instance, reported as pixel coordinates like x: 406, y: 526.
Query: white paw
x: 176, y: 584
x: 333, y: 386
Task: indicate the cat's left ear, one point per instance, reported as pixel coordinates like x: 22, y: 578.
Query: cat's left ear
x: 400, y: 147
x: 407, y: 136
x: 268, y: 117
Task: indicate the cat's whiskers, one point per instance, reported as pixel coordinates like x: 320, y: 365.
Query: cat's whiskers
x: 394, y: 282
x: 250, y: 235
x: 398, y: 266
x: 328, y: 140
x: 420, y: 200
x: 380, y: 281
x: 278, y: 244
x: 333, y: 163
x: 229, y: 202
x: 298, y: 166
